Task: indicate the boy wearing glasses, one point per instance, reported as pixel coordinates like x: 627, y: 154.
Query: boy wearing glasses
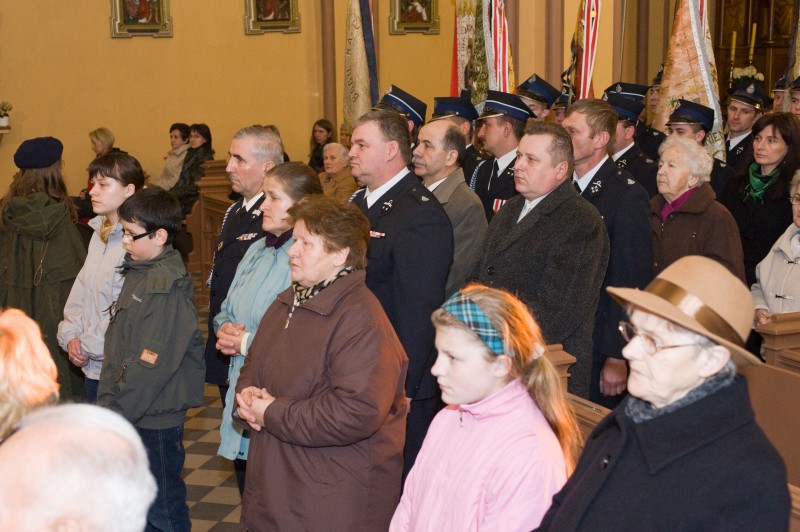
x: 154, y: 367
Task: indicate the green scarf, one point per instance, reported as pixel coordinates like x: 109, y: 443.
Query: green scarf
x: 759, y: 183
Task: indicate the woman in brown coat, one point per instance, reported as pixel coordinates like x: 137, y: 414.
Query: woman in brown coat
x: 685, y: 218
x: 323, y: 388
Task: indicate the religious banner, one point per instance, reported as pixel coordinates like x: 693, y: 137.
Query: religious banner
x: 360, y: 65
x: 690, y: 71
x: 577, y: 79
x: 481, y: 49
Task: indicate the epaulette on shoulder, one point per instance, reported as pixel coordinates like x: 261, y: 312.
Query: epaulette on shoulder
x: 421, y: 194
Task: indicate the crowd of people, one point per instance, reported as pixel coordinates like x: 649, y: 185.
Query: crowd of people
x: 379, y: 316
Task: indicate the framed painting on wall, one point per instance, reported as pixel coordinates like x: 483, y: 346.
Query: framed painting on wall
x: 130, y: 18
x: 263, y: 16
x: 420, y: 16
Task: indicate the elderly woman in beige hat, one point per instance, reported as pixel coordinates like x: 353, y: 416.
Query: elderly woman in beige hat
x: 683, y: 451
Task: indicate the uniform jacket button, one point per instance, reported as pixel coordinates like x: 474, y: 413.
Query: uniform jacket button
x: 490, y: 270
x: 606, y: 461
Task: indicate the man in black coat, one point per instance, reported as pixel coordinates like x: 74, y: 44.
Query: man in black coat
x: 253, y: 151
x: 548, y: 247
x: 625, y: 207
x: 409, y: 255
x: 502, y: 124
x: 746, y: 103
x: 628, y: 156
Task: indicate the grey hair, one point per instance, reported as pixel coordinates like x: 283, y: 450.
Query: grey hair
x: 343, y: 151
x: 267, y: 146
x: 695, y: 157
x: 795, y: 183
x: 95, y: 451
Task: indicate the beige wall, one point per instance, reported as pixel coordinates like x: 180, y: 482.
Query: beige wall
x: 66, y: 76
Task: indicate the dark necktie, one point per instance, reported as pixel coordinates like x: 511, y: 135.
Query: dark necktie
x: 577, y: 187
x: 495, y: 173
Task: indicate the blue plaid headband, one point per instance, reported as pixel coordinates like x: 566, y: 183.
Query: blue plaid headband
x: 467, y: 312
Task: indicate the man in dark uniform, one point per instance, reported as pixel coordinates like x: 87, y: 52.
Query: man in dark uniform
x: 460, y: 111
x: 745, y: 105
x: 560, y: 107
x: 794, y: 97
x: 628, y: 156
x: 625, y: 208
x: 779, y: 92
x: 502, y: 125
x: 254, y: 150
x: 538, y: 95
x: 694, y: 121
x: 409, y: 255
x: 411, y: 108
x: 648, y: 138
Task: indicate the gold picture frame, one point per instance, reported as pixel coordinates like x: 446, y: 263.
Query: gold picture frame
x: 414, y: 16
x: 135, y: 18
x: 262, y: 16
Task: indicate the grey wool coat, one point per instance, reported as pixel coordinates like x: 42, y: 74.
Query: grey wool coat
x: 554, y: 260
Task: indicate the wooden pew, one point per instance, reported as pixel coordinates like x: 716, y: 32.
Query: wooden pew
x: 215, y: 181
x: 775, y: 396
x: 782, y: 341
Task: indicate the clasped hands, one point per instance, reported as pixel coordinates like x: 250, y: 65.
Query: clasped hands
x: 229, y: 338
x: 253, y: 403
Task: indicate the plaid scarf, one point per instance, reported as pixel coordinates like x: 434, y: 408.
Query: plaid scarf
x: 304, y: 293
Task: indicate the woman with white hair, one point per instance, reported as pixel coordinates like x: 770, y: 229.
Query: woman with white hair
x: 337, y: 181
x: 685, y: 218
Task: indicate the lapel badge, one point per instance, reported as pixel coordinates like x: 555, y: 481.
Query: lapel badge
x: 622, y: 163
x: 256, y: 213
x: 376, y: 234
x: 219, y: 246
x: 631, y: 181
x: 596, y: 186
x: 739, y: 150
x: 387, y: 206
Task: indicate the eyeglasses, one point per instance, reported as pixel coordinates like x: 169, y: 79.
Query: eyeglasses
x: 133, y: 238
x: 649, y: 343
x: 794, y: 200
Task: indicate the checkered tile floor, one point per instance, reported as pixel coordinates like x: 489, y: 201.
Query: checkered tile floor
x: 212, y: 495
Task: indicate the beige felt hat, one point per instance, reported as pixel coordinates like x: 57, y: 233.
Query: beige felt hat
x: 702, y: 296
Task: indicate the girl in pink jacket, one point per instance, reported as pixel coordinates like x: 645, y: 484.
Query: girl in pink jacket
x: 504, y: 445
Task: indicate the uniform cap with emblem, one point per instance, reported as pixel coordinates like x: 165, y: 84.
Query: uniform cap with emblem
x: 780, y: 84
x: 502, y: 103
x: 687, y: 112
x: 628, y: 90
x: 657, y: 78
x: 626, y: 108
x: 399, y: 101
x: 752, y: 94
x: 563, y: 100
x: 449, y: 106
x: 795, y: 86
x: 40, y: 152
x: 538, y: 89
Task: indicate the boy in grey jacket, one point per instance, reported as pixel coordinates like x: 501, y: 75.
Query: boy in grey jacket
x: 154, y: 367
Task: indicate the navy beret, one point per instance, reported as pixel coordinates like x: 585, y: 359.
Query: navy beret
x: 40, y: 152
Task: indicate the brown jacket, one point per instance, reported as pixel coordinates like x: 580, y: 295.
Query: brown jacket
x: 701, y: 226
x: 340, y: 186
x: 330, y: 455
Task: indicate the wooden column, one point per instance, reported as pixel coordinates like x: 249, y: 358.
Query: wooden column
x: 642, y: 39
x: 554, y: 43
x: 512, y: 17
x: 328, y: 55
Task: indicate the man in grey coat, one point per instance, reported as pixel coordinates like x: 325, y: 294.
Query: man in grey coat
x: 549, y: 247
x: 436, y: 161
